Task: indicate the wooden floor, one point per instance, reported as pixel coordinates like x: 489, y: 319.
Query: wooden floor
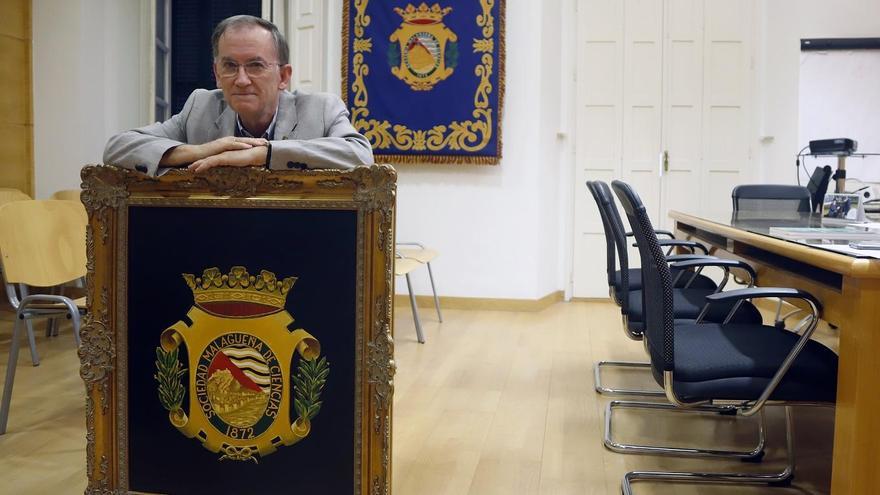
x: 494, y: 403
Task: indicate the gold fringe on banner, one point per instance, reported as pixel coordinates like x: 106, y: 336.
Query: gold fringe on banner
x: 437, y: 159
x: 357, y: 112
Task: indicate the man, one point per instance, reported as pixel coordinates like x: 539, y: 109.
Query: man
x: 251, y: 121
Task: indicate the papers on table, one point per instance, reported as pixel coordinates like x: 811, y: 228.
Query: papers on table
x: 831, y: 233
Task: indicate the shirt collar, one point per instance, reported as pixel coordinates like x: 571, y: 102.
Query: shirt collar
x: 240, y: 131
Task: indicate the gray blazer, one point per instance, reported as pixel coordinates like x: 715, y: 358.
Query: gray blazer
x: 311, y: 130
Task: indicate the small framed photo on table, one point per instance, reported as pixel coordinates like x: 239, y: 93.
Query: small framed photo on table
x: 842, y: 208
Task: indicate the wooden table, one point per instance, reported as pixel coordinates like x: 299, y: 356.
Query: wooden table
x: 849, y: 289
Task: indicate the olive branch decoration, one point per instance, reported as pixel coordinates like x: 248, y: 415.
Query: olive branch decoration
x: 308, y: 383
x: 168, y: 373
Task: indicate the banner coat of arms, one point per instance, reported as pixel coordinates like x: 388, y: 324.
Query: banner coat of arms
x: 425, y: 82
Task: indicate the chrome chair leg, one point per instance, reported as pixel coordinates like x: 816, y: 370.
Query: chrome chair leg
x: 601, y: 389
x: 10, y: 374
x: 35, y: 357
x: 624, y: 448
x: 23, y: 290
x: 433, y: 288
x: 781, y: 478
x: 412, y: 301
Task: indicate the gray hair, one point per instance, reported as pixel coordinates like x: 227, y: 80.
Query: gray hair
x: 281, y: 47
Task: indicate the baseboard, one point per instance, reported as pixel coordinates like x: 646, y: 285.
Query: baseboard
x: 591, y: 299
x: 482, y: 303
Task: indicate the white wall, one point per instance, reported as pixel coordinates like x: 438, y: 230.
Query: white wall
x: 87, y: 84
x: 784, y: 23
x: 840, y: 97
x: 499, y: 228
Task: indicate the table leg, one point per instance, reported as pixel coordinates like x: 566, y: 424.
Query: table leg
x: 857, y: 416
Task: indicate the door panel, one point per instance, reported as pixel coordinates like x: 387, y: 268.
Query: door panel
x: 724, y: 81
x: 726, y: 111
x: 642, y: 99
x: 682, y: 107
x: 598, y: 134
x: 657, y: 75
x: 716, y: 188
x: 307, y: 40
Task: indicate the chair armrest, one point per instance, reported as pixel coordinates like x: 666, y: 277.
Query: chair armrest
x: 685, y: 257
x: 658, y: 232
x: 761, y: 292
x: 740, y: 295
x: 720, y: 262
x: 680, y: 243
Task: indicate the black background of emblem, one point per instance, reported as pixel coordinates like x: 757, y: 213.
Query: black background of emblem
x: 319, y: 247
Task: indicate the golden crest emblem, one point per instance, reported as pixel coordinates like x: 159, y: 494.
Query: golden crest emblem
x: 423, y: 50
x: 241, y: 374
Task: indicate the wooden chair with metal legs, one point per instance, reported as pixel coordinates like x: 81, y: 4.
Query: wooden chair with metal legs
x: 67, y: 195
x: 403, y: 267
x: 425, y: 255
x: 64, y: 195
x: 725, y: 367
x: 8, y: 195
x: 43, y: 244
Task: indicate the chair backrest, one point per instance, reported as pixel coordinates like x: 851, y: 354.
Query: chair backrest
x: 611, y: 257
x: 614, y: 223
x: 67, y: 195
x: 818, y: 185
x: 8, y: 195
x: 43, y: 243
x: 656, y: 283
x: 771, y: 197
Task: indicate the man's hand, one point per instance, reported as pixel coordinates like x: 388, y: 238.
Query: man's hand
x: 252, y: 157
x: 190, y: 153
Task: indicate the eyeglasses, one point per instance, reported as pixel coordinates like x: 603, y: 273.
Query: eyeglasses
x: 254, y: 68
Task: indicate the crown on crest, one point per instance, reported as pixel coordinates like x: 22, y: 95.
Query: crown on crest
x: 423, y: 14
x: 239, y: 293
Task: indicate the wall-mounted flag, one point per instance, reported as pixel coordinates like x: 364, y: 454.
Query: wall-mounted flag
x: 425, y: 83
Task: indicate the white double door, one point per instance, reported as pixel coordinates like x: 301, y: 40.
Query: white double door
x: 663, y: 99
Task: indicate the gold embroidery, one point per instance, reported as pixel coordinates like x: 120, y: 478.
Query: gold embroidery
x: 469, y: 135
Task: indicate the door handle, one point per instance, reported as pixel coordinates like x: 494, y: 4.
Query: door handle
x: 660, y: 164
x: 666, y: 160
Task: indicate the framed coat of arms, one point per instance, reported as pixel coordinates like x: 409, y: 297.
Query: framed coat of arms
x: 424, y: 82
x: 239, y: 334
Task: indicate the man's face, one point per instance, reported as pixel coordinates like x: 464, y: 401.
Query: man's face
x: 253, y: 97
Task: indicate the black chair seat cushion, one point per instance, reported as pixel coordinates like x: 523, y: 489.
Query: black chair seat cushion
x: 635, y: 280
x: 689, y: 302
x: 737, y: 362
x: 639, y: 327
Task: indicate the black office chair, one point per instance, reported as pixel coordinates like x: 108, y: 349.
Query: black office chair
x: 818, y: 186
x: 625, y: 279
x: 699, y: 364
x: 691, y: 287
x: 771, y: 197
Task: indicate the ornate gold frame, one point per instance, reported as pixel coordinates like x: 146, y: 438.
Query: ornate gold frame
x: 107, y: 193
x: 468, y: 135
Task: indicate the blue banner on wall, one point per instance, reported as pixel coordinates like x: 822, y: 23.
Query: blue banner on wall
x: 425, y: 83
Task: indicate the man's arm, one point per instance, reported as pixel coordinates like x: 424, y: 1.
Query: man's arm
x: 163, y: 144
x: 341, y: 148
x: 143, y: 148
